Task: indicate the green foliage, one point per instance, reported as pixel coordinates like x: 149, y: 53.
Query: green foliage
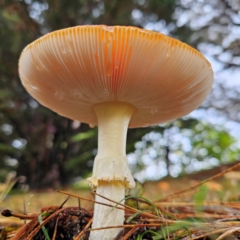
x: 145, y: 200
x: 82, y: 136
x: 184, y: 146
x: 155, y: 235
x: 8, y: 184
x: 43, y: 227
x: 134, y: 215
x: 200, y: 196
x: 6, y: 148
x: 166, y: 231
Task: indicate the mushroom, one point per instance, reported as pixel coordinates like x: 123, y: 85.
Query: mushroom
x: 116, y: 78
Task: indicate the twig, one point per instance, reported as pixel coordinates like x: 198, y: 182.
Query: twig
x: 209, y: 233
x: 227, y: 233
x: 129, y: 233
x: 128, y: 226
x: 55, y: 230
x: 87, y: 199
x: 179, y: 193
x: 108, y: 205
x: 8, y: 213
x: 127, y: 207
x: 84, y: 230
x: 30, y: 236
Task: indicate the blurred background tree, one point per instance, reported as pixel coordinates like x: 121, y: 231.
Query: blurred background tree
x: 50, y: 150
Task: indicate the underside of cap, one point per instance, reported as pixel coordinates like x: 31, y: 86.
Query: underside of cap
x: 71, y: 70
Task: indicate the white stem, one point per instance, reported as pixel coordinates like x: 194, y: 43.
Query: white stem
x: 111, y: 163
x: 111, y: 174
x: 108, y: 216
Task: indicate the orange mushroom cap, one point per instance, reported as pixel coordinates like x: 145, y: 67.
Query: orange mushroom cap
x: 71, y: 70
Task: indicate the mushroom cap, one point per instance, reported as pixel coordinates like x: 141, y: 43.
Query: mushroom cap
x: 71, y: 70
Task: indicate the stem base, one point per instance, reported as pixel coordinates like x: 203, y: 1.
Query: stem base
x: 108, y: 216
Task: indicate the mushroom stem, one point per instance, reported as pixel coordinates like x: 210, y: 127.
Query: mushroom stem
x: 105, y: 216
x: 111, y: 174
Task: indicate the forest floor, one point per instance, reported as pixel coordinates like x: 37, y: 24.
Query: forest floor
x: 223, y: 188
